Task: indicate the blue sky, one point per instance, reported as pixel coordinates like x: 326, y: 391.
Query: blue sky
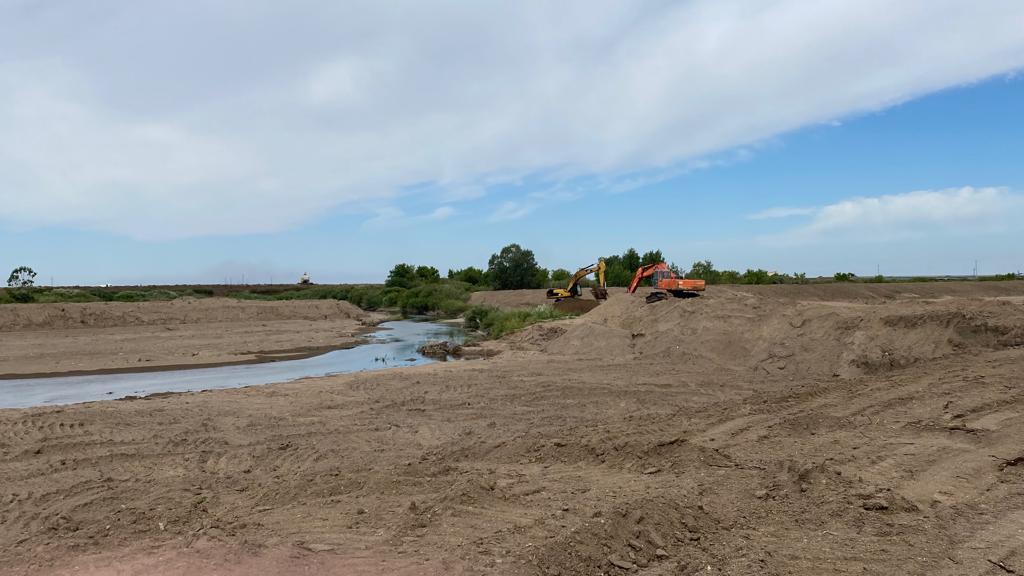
x: 781, y: 136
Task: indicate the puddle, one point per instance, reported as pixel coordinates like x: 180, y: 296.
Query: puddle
x: 393, y: 346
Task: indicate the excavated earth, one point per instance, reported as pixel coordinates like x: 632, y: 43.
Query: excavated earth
x: 783, y: 430
x: 98, y: 337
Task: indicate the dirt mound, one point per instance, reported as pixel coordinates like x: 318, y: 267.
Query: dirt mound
x: 181, y: 311
x: 738, y: 330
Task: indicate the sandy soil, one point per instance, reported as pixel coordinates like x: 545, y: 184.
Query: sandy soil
x: 797, y: 431
x: 37, y: 339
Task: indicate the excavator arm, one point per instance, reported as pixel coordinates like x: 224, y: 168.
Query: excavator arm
x: 644, y: 272
x: 572, y: 287
x: 665, y: 279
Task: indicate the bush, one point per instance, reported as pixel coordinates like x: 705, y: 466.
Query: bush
x: 144, y: 295
x: 449, y: 298
x: 21, y: 296
x: 844, y: 276
x: 65, y: 295
x: 496, y: 322
x: 472, y: 276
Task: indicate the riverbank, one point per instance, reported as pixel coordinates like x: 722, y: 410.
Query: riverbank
x: 41, y: 340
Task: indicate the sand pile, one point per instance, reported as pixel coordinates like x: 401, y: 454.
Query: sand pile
x: 737, y: 330
x: 181, y: 311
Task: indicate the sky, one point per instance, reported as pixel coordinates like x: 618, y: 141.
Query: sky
x: 192, y: 142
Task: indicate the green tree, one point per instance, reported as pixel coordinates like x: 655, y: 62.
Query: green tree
x: 513, y: 268
x: 631, y: 260
x: 560, y: 275
x: 22, y: 277
x: 704, y: 271
x: 758, y: 276
x: 402, y: 276
x: 651, y: 257
x: 469, y: 275
x: 427, y: 274
x: 541, y: 278
x: 729, y: 277
x: 844, y: 276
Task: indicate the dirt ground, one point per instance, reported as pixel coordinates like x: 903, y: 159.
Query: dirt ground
x: 789, y: 430
x: 40, y: 339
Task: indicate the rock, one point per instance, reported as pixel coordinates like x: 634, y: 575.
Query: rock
x: 661, y: 553
x: 621, y: 564
x: 559, y: 442
x: 635, y: 545
x: 761, y: 494
x: 319, y: 547
x: 360, y: 510
x: 875, y: 504
x: 655, y: 540
x: 641, y: 563
x: 652, y: 470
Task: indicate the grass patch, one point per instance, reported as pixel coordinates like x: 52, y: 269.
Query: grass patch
x: 496, y: 322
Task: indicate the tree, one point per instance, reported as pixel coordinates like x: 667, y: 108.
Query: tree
x: 704, y: 271
x: 560, y: 275
x: 651, y: 257
x: 541, y: 278
x: 470, y: 275
x: 844, y: 276
x: 513, y: 268
x: 22, y: 277
x: 402, y: 276
x: 631, y: 260
x: 428, y: 274
x: 758, y: 276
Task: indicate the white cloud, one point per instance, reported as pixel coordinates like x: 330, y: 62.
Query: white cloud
x: 937, y: 213
x: 512, y: 211
x: 441, y: 213
x: 780, y: 212
x: 140, y: 119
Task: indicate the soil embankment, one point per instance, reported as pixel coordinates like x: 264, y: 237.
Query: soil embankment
x: 41, y: 339
x: 753, y: 431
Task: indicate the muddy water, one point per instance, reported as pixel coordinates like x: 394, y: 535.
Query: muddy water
x: 394, y: 345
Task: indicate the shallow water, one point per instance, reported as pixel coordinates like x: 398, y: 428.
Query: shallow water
x: 394, y: 345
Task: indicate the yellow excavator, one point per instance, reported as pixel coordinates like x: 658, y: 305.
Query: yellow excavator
x: 568, y: 299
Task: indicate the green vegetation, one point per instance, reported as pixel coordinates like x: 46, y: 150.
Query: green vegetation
x: 844, y: 276
x: 705, y: 271
x: 472, y: 276
x: 496, y: 322
x: 514, y: 268
x: 999, y: 277
x: 47, y: 295
x: 21, y: 277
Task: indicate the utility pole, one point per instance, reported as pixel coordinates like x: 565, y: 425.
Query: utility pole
x: 975, y: 269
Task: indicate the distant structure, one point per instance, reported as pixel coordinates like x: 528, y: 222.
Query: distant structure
x: 305, y: 278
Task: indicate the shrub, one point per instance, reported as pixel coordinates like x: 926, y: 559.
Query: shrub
x: 448, y: 298
x: 496, y: 322
x: 844, y: 276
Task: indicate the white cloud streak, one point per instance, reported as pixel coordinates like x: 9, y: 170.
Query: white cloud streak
x: 925, y: 213
x: 166, y: 120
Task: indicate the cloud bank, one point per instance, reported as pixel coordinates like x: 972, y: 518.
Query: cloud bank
x: 943, y: 213
x: 170, y: 120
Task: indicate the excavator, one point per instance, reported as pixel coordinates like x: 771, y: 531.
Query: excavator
x: 568, y: 299
x: 664, y: 280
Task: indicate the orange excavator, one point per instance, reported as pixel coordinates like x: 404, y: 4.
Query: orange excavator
x: 664, y: 280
